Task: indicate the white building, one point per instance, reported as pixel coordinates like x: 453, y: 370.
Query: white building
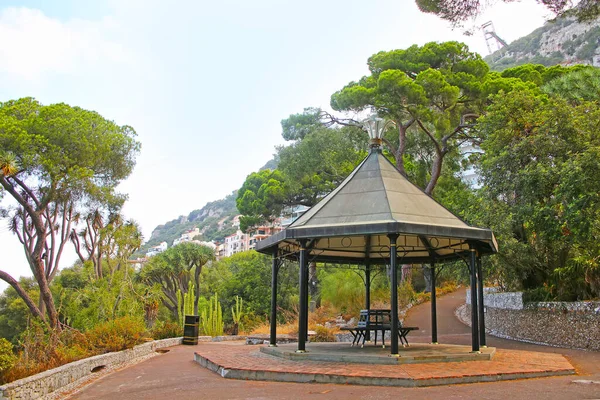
x: 152, y: 251
x: 236, y: 243
x: 291, y: 214
x: 469, y: 174
x: 188, y: 236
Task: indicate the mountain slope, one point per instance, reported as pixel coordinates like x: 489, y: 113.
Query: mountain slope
x: 561, y: 41
x: 213, y: 220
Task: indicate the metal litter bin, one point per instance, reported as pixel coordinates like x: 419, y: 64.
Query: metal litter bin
x: 190, y: 330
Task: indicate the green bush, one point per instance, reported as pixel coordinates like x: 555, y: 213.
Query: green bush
x: 116, y: 335
x: 166, y: 330
x: 7, y: 357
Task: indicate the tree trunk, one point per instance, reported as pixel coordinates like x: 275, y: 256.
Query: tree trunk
x: 436, y: 171
x: 46, y: 294
x: 427, y: 276
x: 401, y: 148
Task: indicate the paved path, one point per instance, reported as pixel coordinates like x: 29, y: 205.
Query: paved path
x: 175, y: 376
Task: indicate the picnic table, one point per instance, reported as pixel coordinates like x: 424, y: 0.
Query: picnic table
x: 377, y: 321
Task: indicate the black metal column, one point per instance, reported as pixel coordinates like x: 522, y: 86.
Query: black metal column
x: 474, y: 309
x: 303, y: 317
x: 480, y: 307
x: 274, y: 272
x: 367, y: 286
x: 394, y: 294
x: 367, y: 294
x: 434, y: 338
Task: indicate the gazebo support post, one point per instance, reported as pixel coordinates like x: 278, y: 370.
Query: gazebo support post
x: 367, y: 294
x: 394, y: 300
x: 303, y: 317
x: 474, y: 309
x: 434, y: 338
x: 274, y: 273
x: 480, y: 308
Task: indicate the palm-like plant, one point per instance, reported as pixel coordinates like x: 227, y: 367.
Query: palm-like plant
x: 8, y: 164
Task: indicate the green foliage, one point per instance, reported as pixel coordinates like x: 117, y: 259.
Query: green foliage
x: 174, y: 269
x: 185, y: 303
x: 211, y: 317
x: 308, y: 169
x: 166, y: 330
x: 7, y: 357
x: 70, y: 160
x: 436, y: 90
x: 344, y: 289
x: 541, y: 194
x: 261, y: 198
x: 116, y: 335
x: 576, y: 86
x: 237, y: 313
x: 248, y: 275
x: 83, y: 300
x: 297, y: 126
x: 14, y: 315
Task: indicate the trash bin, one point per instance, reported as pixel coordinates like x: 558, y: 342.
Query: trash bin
x: 190, y: 330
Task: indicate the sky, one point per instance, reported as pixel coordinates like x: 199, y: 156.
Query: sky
x: 205, y: 84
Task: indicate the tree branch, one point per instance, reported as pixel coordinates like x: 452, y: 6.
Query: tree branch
x: 22, y: 294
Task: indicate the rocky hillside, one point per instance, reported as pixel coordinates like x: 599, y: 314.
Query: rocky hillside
x: 561, y: 41
x: 213, y: 220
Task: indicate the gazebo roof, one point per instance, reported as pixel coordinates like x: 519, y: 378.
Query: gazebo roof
x: 352, y: 222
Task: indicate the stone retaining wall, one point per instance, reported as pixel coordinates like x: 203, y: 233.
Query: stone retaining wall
x: 563, y: 324
x: 42, y: 384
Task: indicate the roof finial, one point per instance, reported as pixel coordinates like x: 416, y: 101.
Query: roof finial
x: 375, y: 126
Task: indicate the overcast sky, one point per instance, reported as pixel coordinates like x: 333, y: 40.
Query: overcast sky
x: 205, y: 84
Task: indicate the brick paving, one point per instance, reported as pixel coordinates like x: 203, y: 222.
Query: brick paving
x: 247, y: 362
x: 175, y: 374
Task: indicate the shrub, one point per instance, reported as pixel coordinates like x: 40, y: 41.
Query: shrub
x: 7, y: 357
x: 166, y: 330
x: 42, y: 349
x: 116, y: 335
x: 323, y: 334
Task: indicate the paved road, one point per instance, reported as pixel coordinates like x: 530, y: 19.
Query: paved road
x: 175, y: 376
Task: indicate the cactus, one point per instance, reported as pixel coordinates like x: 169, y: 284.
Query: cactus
x: 185, y: 303
x: 211, y: 317
x: 236, y: 314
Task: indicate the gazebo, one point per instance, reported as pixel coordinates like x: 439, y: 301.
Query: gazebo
x: 377, y: 216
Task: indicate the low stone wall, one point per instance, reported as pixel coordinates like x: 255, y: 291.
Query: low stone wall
x: 42, y: 384
x: 563, y: 324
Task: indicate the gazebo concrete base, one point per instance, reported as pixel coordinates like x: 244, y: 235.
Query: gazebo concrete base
x: 370, y: 354
x: 238, y: 361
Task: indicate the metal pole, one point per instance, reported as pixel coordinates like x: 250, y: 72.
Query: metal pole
x: 367, y: 294
x: 480, y: 303
x: 434, y: 338
x: 302, y: 318
x: 274, y: 271
x: 474, y: 319
x: 394, y: 299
